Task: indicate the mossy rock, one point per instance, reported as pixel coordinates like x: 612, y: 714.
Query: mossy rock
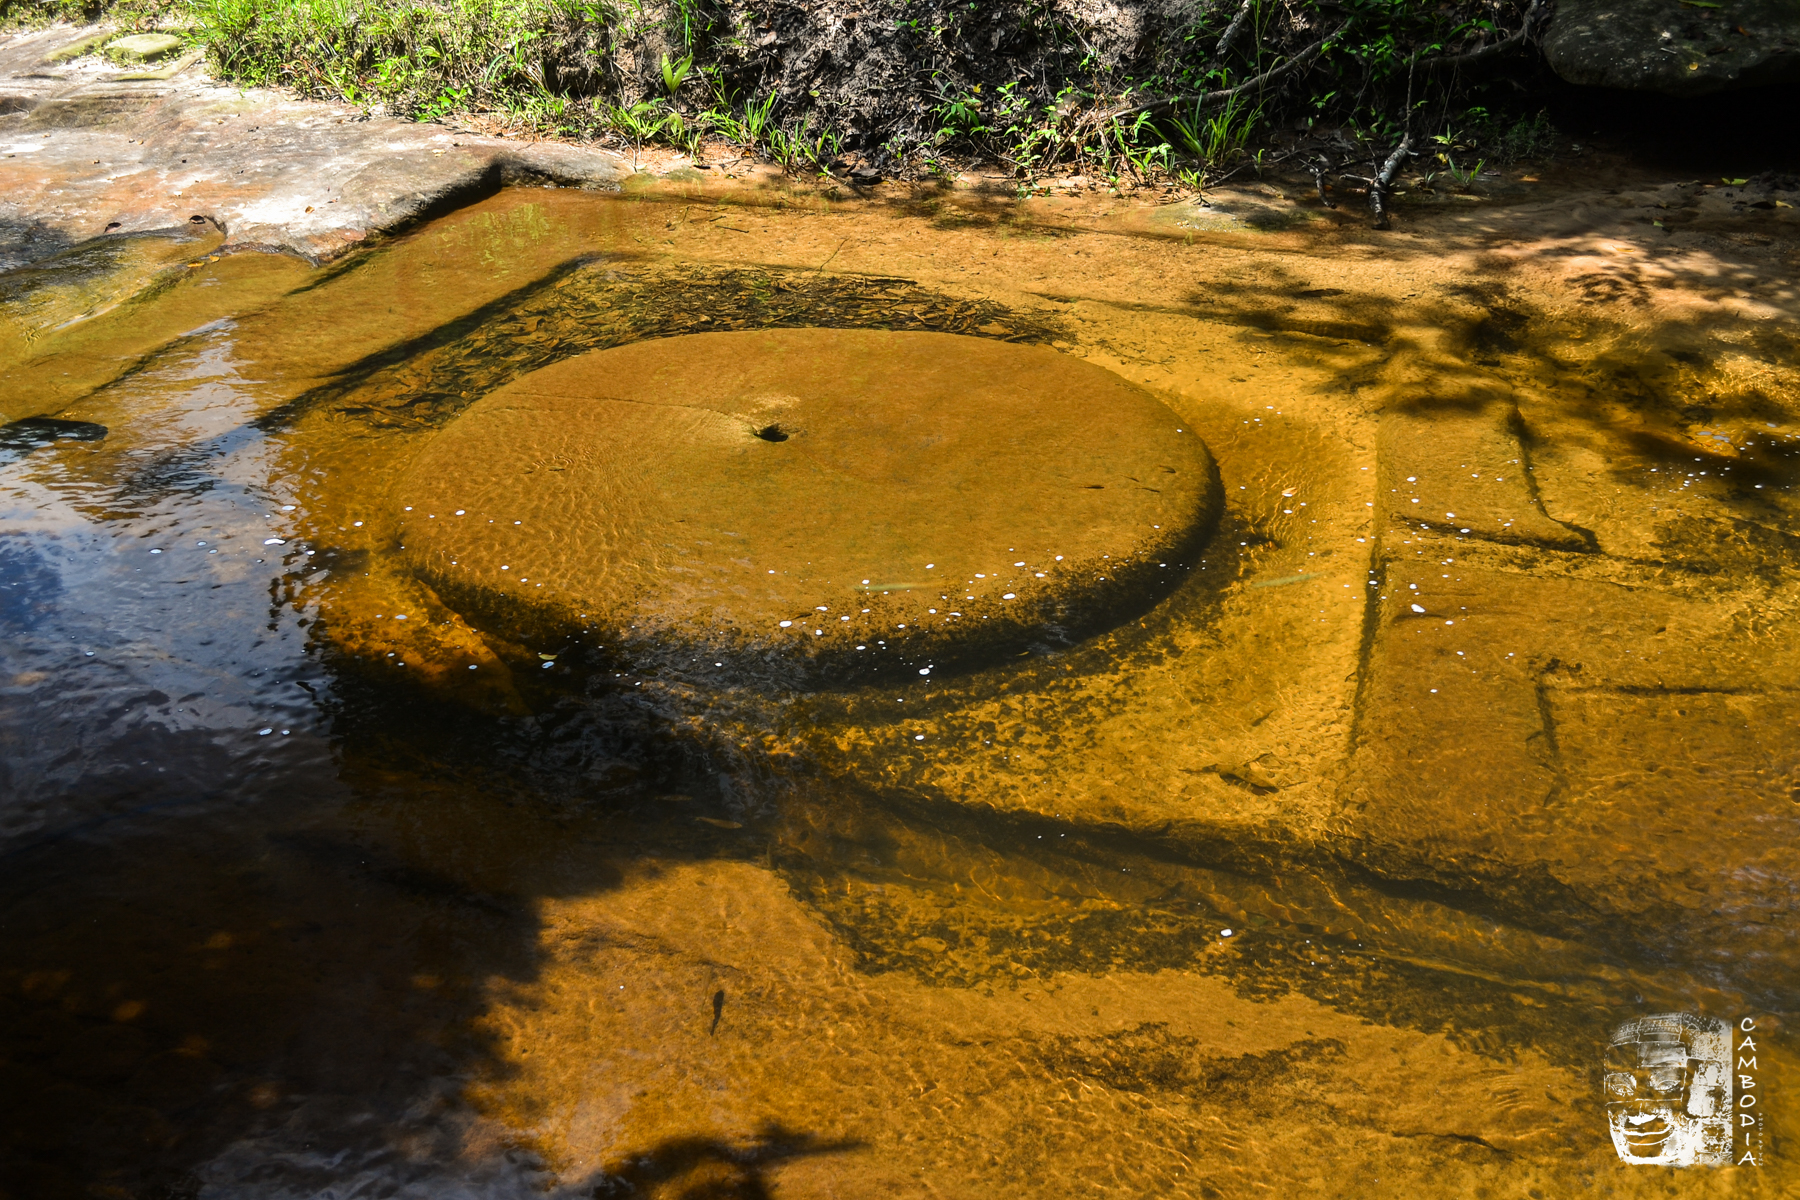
x: 144, y: 47
x: 79, y: 49
x: 809, y: 507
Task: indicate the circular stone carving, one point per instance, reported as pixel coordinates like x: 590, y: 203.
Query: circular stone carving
x: 807, y: 507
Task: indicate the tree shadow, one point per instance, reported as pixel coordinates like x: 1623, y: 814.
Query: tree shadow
x: 711, y: 1168
x: 276, y: 979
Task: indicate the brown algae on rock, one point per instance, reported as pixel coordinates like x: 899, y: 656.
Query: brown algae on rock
x: 809, y: 505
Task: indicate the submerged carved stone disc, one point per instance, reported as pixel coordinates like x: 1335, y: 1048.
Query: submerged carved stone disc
x: 806, y: 507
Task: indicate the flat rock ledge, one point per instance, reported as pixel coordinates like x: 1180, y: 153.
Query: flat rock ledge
x: 88, y: 150
x: 808, y: 508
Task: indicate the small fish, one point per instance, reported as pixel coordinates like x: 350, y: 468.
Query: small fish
x: 889, y: 587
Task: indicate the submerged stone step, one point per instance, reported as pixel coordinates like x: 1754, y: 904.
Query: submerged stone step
x: 809, y: 507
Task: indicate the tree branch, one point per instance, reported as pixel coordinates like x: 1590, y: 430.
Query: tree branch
x: 1493, y: 49
x: 1384, y: 179
x: 1319, y: 167
x: 1299, y: 60
x: 1232, y: 30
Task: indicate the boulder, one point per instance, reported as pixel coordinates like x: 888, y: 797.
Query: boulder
x: 805, y: 507
x: 1677, y: 47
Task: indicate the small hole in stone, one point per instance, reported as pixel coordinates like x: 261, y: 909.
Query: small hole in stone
x: 772, y: 433
x: 197, y: 220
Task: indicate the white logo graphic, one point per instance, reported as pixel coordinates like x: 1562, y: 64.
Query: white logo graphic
x: 1668, y: 1090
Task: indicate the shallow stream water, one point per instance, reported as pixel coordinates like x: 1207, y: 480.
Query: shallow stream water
x: 1326, y: 868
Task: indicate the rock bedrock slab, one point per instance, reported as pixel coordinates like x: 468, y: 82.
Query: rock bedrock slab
x: 1461, y: 466
x: 929, y: 502
x: 1601, y: 757
x: 86, y: 152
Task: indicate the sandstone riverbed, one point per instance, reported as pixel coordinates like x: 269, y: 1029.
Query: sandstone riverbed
x: 1323, y: 869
